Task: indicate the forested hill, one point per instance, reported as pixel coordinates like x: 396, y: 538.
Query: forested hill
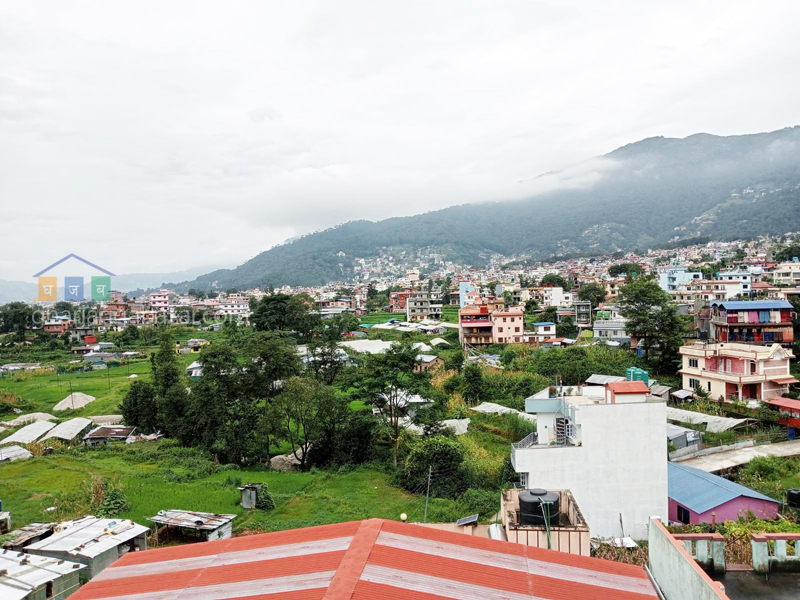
x: 644, y: 194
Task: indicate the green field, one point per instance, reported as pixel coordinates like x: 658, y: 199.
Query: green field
x: 155, y: 476
x: 380, y: 317
x: 108, y: 386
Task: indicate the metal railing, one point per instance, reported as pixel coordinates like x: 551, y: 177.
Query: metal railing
x: 529, y: 440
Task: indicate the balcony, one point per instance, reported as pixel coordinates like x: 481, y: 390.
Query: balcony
x: 530, y: 440
x: 722, y: 375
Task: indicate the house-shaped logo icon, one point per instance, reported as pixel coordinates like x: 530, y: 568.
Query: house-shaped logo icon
x: 74, y: 286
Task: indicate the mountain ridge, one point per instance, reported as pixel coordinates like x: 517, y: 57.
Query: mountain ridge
x: 645, y: 193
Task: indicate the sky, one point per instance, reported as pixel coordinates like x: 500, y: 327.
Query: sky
x: 156, y: 136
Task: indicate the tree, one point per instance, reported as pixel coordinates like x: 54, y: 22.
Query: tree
x: 531, y: 306
x: 170, y: 388
x: 307, y: 408
x: 626, y: 268
x: 326, y: 358
x: 387, y: 381
x: 64, y: 308
x: 787, y: 253
x: 272, y: 360
x: 15, y: 317
x: 443, y: 459
x: 222, y: 416
x: 138, y: 407
x: 473, y: 382
x: 592, y: 292
x: 654, y: 320
x: 555, y: 280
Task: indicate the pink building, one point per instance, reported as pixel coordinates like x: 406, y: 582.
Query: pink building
x: 507, y: 326
x: 159, y: 301
x: 694, y: 495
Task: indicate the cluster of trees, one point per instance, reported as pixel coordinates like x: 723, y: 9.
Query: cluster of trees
x: 625, y: 268
x: 654, y: 320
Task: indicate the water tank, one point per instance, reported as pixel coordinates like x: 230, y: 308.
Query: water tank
x: 532, y: 510
x: 793, y: 497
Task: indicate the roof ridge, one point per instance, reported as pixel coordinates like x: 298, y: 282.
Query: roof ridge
x: 731, y: 486
x: 347, y: 576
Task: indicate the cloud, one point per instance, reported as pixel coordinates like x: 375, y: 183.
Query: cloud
x: 184, y: 133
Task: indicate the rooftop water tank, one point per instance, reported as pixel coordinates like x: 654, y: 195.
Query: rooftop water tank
x: 535, y: 503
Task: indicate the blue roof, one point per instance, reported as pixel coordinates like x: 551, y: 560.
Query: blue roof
x: 700, y: 491
x: 543, y: 323
x: 752, y: 304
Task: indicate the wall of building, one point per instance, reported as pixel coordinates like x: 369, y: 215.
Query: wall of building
x: 620, y: 468
x: 678, y: 576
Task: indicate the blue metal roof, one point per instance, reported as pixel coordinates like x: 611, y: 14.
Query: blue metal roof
x: 752, y: 304
x: 543, y: 323
x: 700, y: 491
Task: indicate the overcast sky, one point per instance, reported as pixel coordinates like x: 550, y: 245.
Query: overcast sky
x: 167, y: 135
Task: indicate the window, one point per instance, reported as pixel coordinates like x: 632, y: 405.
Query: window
x: 693, y: 383
x: 709, y: 386
x: 683, y: 515
x: 523, y: 480
x: 500, y: 329
x: 504, y: 319
x: 516, y: 329
x: 692, y: 363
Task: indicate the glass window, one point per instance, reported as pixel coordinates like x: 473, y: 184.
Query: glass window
x: 683, y: 515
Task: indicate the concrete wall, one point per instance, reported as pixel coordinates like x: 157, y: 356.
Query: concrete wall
x: 620, y: 468
x: 678, y: 576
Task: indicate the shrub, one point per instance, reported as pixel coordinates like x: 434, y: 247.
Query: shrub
x: 484, y: 502
x: 445, y: 459
x: 264, y: 499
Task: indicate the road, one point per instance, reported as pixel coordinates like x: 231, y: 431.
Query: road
x: 712, y: 463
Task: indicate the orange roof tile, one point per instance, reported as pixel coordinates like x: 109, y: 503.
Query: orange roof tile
x: 364, y: 560
x: 628, y: 387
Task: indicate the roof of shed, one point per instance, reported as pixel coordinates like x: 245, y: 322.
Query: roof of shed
x: 628, y: 387
x: 700, y: 491
x: 753, y: 304
x: 366, y: 559
x: 89, y: 536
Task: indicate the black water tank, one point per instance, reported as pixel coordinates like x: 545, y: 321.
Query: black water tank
x: 531, y: 509
x: 793, y: 497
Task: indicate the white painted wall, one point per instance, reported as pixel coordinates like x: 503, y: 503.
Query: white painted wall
x: 621, y: 466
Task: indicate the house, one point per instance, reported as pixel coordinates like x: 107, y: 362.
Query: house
x: 541, y: 331
x: 398, y: 300
x: 507, y: 326
x: 82, y: 350
x: 789, y: 411
x: 25, y: 577
x: 787, y: 273
x: 671, y: 278
x: 475, y: 325
x: 372, y: 559
x: 428, y: 362
x: 422, y: 305
x: 742, y: 371
x: 58, y: 325
x: 193, y: 346
x: 604, y: 445
x: 78, y: 334
x: 699, y: 497
x: 159, y: 301
x: 100, y: 357
x: 93, y: 542
x: 109, y: 433
x: 609, y: 325
x: 199, y: 525
x: 755, y: 321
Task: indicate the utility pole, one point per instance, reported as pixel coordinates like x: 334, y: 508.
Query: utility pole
x: 427, y: 494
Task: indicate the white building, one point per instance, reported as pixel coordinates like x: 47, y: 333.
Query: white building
x: 607, y: 446
x: 669, y: 279
x: 609, y: 325
x: 235, y: 305
x: 541, y: 331
x: 787, y: 273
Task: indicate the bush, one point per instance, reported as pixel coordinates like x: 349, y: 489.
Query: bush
x: 445, y: 459
x: 484, y: 502
x: 264, y: 499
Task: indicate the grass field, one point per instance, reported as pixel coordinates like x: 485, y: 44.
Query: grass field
x: 380, y: 317
x: 108, y: 386
x: 156, y: 477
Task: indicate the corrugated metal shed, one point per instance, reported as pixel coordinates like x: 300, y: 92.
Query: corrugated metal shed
x: 366, y: 560
x: 604, y: 379
x: 29, y: 433
x: 88, y: 537
x: 713, y: 423
x: 9, y: 453
x: 74, y: 400
x: 700, y: 491
x: 22, y: 575
x: 68, y: 430
x: 192, y: 520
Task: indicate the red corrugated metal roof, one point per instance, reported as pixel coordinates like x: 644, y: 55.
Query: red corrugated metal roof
x: 628, y: 387
x: 785, y: 403
x: 365, y: 560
